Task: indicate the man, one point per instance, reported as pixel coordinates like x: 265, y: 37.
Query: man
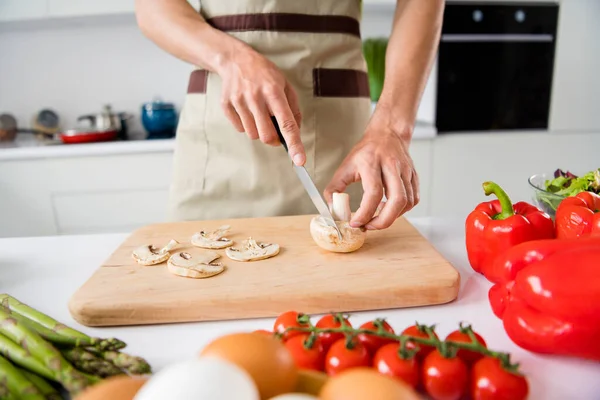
x: 301, y: 61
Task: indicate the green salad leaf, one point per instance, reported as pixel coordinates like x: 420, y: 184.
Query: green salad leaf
x: 569, y: 184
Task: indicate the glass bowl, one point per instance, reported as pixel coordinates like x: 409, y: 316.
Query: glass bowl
x: 546, y: 201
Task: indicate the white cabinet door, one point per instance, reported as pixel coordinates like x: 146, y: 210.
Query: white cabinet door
x: 15, y: 10
x: 462, y: 162
x: 70, y: 8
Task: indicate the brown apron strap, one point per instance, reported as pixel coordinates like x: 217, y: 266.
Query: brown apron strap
x: 287, y: 22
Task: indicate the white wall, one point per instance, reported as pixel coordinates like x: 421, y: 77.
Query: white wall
x: 76, y: 68
x: 79, y: 66
x: 575, y: 104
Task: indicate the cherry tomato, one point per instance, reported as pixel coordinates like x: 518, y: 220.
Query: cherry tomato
x: 388, y: 362
x: 373, y: 342
x: 286, y: 320
x: 444, y: 378
x: 424, y: 350
x: 330, y: 321
x: 489, y: 381
x: 306, y: 358
x: 468, y: 356
x: 340, y: 357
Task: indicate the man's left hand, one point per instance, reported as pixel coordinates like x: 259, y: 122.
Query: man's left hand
x: 381, y: 161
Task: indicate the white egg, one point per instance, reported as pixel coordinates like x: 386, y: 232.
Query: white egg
x: 294, y: 396
x: 202, y: 378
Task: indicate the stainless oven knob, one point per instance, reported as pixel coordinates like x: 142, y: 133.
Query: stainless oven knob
x: 477, y: 15
x: 520, y: 16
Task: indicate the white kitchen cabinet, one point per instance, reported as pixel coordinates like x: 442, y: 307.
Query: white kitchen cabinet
x: 69, y: 8
x: 57, y: 196
x: 462, y: 162
x: 420, y: 152
x: 115, y: 193
x: 103, y: 193
x: 574, y: 104
x: 16, y: 10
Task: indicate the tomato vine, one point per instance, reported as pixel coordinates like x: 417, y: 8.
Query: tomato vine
x: 447, y: 348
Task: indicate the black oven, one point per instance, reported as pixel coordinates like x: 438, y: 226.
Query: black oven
x: 495, y: 66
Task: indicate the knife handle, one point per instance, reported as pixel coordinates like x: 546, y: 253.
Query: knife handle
x: 281, y: 139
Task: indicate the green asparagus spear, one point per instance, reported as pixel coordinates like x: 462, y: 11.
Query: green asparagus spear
x: 17, y: 383
x: 21, y: 357
x: 5, y: 394
x: 131, y: 364
x: 60, y: 340
x: 15, y: 306
x: 43, y: 385
x: 88, y: 362
x: 65, y: 373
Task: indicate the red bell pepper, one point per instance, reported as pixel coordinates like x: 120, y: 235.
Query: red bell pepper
x: 497, y: 225
x: 578, y: 216
x: 547, y: 294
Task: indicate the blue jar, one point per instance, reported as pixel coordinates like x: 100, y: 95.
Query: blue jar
x: 159, y: 120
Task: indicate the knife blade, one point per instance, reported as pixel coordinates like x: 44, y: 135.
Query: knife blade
x: 309, y: 185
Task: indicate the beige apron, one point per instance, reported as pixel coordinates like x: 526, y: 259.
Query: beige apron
x: 220, y: 173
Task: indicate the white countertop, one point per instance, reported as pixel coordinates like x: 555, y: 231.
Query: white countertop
x: 25, y: 147
x: 44, y: 272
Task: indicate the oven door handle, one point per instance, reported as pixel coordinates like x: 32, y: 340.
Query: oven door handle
x: 501, y: 37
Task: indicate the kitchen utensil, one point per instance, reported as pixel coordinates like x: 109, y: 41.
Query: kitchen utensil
x: 46, y: 121
x: 397, y: 267
x: 159, y: 119
x: 75, y: 136
x: 8, y: 128
x: 103, y: 121
x: 123, y: 133
x: 309, y: 186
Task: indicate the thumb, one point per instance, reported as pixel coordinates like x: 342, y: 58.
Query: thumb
x: 342, y: 178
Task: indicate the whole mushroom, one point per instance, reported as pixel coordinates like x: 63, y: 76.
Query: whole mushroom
x: 327, y: 238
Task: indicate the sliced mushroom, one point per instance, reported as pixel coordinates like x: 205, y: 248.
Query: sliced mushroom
x: 212, y: 240
x: 252, y: 251
x: 326, y: 237
x: 151, y: 255
x: 198, y: 266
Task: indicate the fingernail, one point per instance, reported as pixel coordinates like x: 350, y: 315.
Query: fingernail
x: 298, y: 159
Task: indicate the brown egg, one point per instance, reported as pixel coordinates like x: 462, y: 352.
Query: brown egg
x: 310, y: 381
x: 362, y: 383
x: 120, y: 387
x: 266, y: 359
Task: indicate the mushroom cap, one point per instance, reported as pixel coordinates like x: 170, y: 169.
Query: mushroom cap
x: 326, y: 237
x: 149, y: 254
x: 252, y: 251
x: 213, y: 239
x: 197, y: 267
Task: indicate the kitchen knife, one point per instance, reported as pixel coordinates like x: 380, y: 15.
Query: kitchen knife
x: 309, y: 186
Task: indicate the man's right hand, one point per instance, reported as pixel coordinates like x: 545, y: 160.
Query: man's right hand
x: 253, y: 90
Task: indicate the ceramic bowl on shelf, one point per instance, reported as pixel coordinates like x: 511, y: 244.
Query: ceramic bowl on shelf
x: 546, y: 201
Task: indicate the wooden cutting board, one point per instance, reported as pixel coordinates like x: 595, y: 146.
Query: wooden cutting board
x: 396, y: 267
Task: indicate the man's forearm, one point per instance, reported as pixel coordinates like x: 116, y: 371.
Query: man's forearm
x: 177, y: 28
x: 409, y: 58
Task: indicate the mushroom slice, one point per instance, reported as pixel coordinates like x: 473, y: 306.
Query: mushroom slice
x: 198, y: 267
x: 212, y: 240
x: 252, y: 251
x: 150, y: 255
x: 326, y: 236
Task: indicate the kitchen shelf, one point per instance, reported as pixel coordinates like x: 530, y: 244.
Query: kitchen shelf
x: 41, y: 14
